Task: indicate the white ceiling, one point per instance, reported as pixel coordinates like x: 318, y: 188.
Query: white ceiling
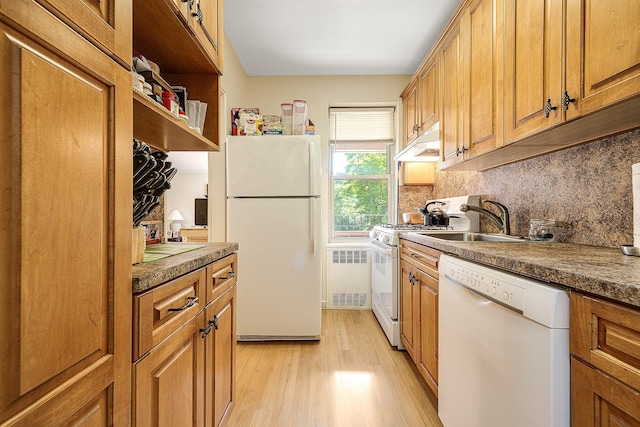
x: 334, y: 37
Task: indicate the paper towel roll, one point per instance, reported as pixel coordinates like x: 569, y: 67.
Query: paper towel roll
x: 635, y: 179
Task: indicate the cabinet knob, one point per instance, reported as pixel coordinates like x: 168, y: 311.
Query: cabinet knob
x: 190, y: 3
x: 548, y: 108
x: 566, y: 100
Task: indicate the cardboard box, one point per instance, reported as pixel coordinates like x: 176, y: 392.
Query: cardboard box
x: 271, y: 124
x: 310, y: 128
x: 235, y: 118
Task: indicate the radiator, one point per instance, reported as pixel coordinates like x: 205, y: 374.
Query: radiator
x: 348, y: 277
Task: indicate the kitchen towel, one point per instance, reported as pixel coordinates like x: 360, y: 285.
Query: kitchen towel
x: 635, y: 172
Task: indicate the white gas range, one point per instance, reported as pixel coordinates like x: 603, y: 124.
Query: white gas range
x: 385, y: 271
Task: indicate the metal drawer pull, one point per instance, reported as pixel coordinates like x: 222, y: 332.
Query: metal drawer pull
x: 207, y: 330
x: 548, y: 108
x: 566, y: 100
x: 215, y: 323
x: 198, y: 14
x: 191, y: 301
x: 231, y: 275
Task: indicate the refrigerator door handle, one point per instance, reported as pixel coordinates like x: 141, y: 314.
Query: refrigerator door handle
x: 312, y: 183
x: 312, y: 226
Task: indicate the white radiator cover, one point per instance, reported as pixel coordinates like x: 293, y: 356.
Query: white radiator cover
x: 349, y: 277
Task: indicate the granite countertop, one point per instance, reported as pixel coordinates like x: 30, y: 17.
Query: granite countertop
x: 149, y: 274
x: 596, y: 270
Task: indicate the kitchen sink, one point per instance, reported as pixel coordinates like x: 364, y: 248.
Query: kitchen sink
x: 474, y: 237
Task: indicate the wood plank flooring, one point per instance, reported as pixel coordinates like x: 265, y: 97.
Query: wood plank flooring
x: 351, y: 377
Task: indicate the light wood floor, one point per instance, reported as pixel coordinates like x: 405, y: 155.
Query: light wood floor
x: 351, y: 377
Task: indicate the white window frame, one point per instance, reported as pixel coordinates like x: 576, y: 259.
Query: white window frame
x: 388, y: 176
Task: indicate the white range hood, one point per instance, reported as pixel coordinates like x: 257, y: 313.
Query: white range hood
x: 425, y: 148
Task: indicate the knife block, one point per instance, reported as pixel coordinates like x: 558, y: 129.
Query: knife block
x: 138, y: 245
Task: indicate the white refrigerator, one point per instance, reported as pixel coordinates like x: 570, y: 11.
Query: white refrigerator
x: 273, y: 212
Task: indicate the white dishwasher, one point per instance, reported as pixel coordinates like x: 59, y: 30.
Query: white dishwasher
x: 503, y: 349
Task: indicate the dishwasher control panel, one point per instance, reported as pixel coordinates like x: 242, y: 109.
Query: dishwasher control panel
x: 487, y: 283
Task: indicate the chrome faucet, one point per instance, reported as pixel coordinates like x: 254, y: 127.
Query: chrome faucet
x: 501, y: 221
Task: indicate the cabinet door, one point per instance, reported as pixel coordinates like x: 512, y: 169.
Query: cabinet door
x: 418, y: 173
x: 409, y: 309
x: 206, y: 23
x: 410, y: 104
x: 534, y: 67
x: 65, y: 172
x: 220, y: 353
x: 483, y: 28
x: 169, y: 381
x: 598, y: 400
x: 429, y: 91
x: 602, y: 53
x: 428, y: 360
x: 452, y: 83
x: 105, y: 23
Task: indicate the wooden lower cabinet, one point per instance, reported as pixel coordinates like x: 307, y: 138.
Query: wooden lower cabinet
x: 220, y: 351
x: 600, y: 400
x: 419, y: 308
x: 169, y: 382
x: 187, y: 378
x: 605, y: 363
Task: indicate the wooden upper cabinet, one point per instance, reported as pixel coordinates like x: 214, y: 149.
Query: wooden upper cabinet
x: 206, y: 22
x: 410, y: 102
x: 170, y: 34
x: 428, y: 78
x: 452, y: 84
x: 65, y: 162
x: 105, y: 23
x: 602, y: 53
x: 420, y: 100
x: 483, y: 64
x: 533, y: 59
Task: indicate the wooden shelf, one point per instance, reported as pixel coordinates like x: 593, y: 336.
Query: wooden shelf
x: 157, y: 127
x: 161, y: 33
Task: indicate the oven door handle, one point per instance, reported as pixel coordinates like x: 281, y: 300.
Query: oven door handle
x: 380, y: 247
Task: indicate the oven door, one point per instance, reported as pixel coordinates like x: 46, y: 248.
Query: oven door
x: 384, y: 278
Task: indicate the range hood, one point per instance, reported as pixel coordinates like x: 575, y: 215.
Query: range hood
x: 425, y: 148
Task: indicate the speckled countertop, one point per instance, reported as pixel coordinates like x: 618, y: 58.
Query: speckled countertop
x: 149, y: 274
x: 596, y: 270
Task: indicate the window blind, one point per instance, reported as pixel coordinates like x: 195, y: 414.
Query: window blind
x: 361, y: 125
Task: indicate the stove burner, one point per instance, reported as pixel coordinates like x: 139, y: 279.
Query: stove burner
x: 413, y: 227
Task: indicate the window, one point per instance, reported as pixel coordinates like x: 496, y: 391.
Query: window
x: 361, y: 141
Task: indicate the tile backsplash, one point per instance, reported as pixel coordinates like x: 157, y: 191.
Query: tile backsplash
x: 587, y: 188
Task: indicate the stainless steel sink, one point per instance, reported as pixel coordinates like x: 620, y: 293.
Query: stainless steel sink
x: 474, y: 237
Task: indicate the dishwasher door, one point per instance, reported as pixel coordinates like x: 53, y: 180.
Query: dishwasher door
x: 497, y: 366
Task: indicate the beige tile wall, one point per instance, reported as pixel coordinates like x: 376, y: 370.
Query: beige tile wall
x: 586, y: 187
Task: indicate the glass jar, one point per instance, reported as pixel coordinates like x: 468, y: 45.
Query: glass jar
x: 543, y: 229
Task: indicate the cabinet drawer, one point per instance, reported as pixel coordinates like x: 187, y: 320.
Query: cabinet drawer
x: 221, y: 275
x: 162, y: 310
x: 420, y: 256
x: 606, y: 335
